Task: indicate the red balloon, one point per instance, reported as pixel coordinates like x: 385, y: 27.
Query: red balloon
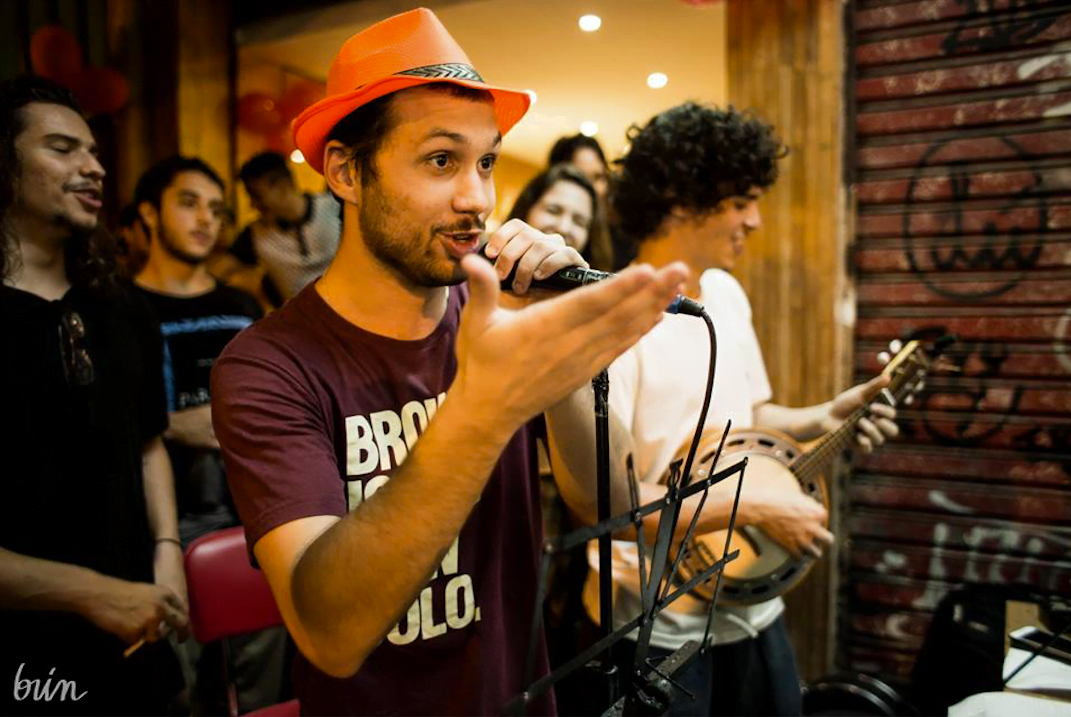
x: 299, y: 96
x: 56, y: 54
x: 101, y: 90
x: 257, y: 112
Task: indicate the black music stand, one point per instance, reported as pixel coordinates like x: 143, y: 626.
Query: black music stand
x: 649, y: 687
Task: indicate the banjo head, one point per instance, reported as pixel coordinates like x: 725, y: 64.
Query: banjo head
x: 764, y: 569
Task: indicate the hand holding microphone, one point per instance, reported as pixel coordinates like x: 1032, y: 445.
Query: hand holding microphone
x: 513, y: 364
x: 563, y: 279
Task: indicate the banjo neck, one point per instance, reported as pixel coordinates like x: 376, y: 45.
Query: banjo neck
x: 902, y: 369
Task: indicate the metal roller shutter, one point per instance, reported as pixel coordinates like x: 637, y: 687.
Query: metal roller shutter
x: 961, y: 168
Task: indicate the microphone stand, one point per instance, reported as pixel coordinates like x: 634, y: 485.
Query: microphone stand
x: 604, y: 666
x: 650, y: 693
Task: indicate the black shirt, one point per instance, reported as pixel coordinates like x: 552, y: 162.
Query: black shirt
x: 195, y: 331
x: 72, y: 471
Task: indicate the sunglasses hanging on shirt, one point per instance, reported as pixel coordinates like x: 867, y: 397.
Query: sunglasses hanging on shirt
x: 77, y: 366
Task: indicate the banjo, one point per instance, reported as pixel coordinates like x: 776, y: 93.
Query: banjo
x: 764, y: 569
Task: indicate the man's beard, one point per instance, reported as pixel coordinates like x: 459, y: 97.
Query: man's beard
x: 76, y: 230
x: 79, y: 243
x: 174, y: 250
x: 403, y: 248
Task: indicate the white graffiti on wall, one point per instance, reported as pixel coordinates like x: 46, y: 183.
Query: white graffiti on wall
x: 1062, y: 342
x: 1003, y: 548
x: 940, y: 499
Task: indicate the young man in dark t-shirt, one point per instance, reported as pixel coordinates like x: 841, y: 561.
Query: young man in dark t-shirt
x: 90, y: 560
x: 372, y: 427
x: 181, y: 208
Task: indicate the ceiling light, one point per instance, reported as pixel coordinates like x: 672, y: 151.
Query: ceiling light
x: 589, y: 128
x: 657, y: 80
x: 297, y: 157
x: 590, y: 23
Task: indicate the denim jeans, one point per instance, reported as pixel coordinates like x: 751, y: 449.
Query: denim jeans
x: 750, y: 677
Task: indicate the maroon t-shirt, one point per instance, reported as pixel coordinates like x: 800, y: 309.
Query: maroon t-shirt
x: 314, y: 415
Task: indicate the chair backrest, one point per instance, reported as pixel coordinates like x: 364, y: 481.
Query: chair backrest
x: 227, y: 596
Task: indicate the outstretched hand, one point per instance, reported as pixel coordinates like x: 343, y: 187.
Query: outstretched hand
x: 514, y: 364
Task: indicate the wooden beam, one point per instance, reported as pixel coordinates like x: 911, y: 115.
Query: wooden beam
x: 785, y: 62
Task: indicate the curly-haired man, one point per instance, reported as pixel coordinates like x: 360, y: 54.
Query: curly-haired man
x: 688, y: 190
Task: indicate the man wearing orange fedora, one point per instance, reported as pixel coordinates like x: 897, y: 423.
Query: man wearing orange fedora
x: 374, y: 427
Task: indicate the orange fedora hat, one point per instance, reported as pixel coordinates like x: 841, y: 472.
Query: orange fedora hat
x: 406, y: 50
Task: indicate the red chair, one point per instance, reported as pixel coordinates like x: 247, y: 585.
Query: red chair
x: 228, y: 598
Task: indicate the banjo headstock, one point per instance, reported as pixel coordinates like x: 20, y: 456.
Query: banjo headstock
x: 906, y: 365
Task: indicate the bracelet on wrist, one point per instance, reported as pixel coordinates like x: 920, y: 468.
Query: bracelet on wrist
x: 176, y: 541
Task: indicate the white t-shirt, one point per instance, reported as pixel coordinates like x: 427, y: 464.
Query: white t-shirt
x: 656, y: 390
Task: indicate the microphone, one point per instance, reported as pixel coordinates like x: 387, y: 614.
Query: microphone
x: 572, y: 277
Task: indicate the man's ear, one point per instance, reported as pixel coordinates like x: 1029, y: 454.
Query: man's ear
x: 681, y: 217
x: 149, y: 218
x: 677, y: 216
x: 343, y: 179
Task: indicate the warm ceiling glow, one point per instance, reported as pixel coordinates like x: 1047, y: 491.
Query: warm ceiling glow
x: 590, y: 23
x: 297, y: 157
x: 657, y: 80
x: 589, y: 128
x: 589, y: 75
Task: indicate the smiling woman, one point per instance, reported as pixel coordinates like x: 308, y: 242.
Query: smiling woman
x: 562, y: 201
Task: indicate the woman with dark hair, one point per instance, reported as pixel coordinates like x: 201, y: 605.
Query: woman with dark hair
x: 560, y: 200
x: 584, y: 153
